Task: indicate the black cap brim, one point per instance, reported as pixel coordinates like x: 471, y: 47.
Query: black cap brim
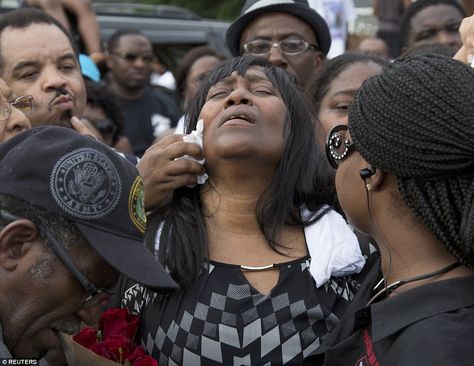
x: 118, y: 251
x: 308, y: 15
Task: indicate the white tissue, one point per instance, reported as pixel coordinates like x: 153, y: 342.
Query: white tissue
x: 333, y: 247
x: 195, y: 137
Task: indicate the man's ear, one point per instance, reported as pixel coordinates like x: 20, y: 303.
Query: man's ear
x: 16, y: 239
x: 319, y: 60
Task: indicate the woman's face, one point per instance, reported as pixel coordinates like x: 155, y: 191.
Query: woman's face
x: 244, y: 117
x: 335, y: 104
x: 16, y: 122
x: 351, y: 189
x: 197, y: 74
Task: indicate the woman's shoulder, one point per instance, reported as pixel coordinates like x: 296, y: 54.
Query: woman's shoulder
x: 443, y: 339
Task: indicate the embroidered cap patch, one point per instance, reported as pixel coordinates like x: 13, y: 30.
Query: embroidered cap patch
x: 85, y: 184
x: 136, y: 205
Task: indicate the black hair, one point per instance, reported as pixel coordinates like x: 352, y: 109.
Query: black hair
x: 299, y: 180
x: 416, y: 7
x: 416, y: 121
x: 98, y: 95
x: 187, y: 62
x: 23, y: 18
x: 114, y: 39
x: 325, y: 75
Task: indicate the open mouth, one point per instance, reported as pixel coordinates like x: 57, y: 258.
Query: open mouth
x: 238, y: 118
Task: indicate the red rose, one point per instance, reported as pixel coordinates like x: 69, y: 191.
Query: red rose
x: 146, y: 361
x: 118, y: 321
x: 114, y: 348
x: 86, y: 337
x: 137, y: 353
x: 102, y: 350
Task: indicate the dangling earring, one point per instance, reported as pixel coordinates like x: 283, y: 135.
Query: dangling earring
x: 368, y: 186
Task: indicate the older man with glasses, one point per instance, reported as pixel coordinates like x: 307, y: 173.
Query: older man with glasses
x: 71, y: 220
x: 288, y: 33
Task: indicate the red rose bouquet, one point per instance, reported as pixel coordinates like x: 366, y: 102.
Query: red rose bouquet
x: 110, y: 344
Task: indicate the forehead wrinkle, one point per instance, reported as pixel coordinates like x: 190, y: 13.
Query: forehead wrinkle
x: 22, y: 64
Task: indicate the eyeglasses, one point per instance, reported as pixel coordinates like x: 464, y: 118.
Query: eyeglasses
x: 291, y: 46
x: 106, y: 127
x: 132, y: 56
x: 23, y: 104
x: 338, y: 145
x: 96, y: 296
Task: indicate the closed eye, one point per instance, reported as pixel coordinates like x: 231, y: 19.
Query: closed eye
x: 28, y: 75
x: 218, y: 94
x: 264, y: 91
x: 67, y: 67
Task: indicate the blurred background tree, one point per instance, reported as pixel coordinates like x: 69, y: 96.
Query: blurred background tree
x: 223, y: 10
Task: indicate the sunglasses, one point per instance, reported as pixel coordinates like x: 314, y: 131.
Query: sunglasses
x: 96, y: 296
x: 132, y: 56
x: 106, y: 127
x: 338, y: 145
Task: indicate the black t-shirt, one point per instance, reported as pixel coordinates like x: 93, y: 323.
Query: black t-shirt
x: 146, y: 118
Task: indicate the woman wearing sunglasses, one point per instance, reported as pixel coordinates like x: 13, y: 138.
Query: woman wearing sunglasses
x: 405, y: 176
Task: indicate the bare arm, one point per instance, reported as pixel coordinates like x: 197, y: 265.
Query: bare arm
x: 376, y: 6
x: 86, y: 23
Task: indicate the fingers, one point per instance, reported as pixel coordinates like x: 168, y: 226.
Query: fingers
x: 174, y: 147
x: 467, y: 34
x: 462, y: 55
x: 80, y: 127
x: 159, y: 170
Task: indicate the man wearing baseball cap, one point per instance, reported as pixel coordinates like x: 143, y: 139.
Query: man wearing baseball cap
x: 289, y: 33
x: 71, y: 220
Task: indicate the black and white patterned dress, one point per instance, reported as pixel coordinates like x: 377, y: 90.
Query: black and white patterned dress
x: 223, y: 320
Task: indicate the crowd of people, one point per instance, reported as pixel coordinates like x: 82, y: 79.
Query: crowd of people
x: 282, y: 208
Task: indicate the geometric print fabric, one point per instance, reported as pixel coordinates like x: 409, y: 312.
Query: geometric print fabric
x: 230, y: 323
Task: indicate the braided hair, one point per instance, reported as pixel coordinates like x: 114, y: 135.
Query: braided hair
x: 416, y: 121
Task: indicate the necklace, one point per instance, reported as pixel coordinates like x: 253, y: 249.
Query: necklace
x: 395, y: 285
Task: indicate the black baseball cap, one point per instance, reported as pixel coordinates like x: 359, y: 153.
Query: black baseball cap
x: 86, y: 182
x: 297, y: 8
